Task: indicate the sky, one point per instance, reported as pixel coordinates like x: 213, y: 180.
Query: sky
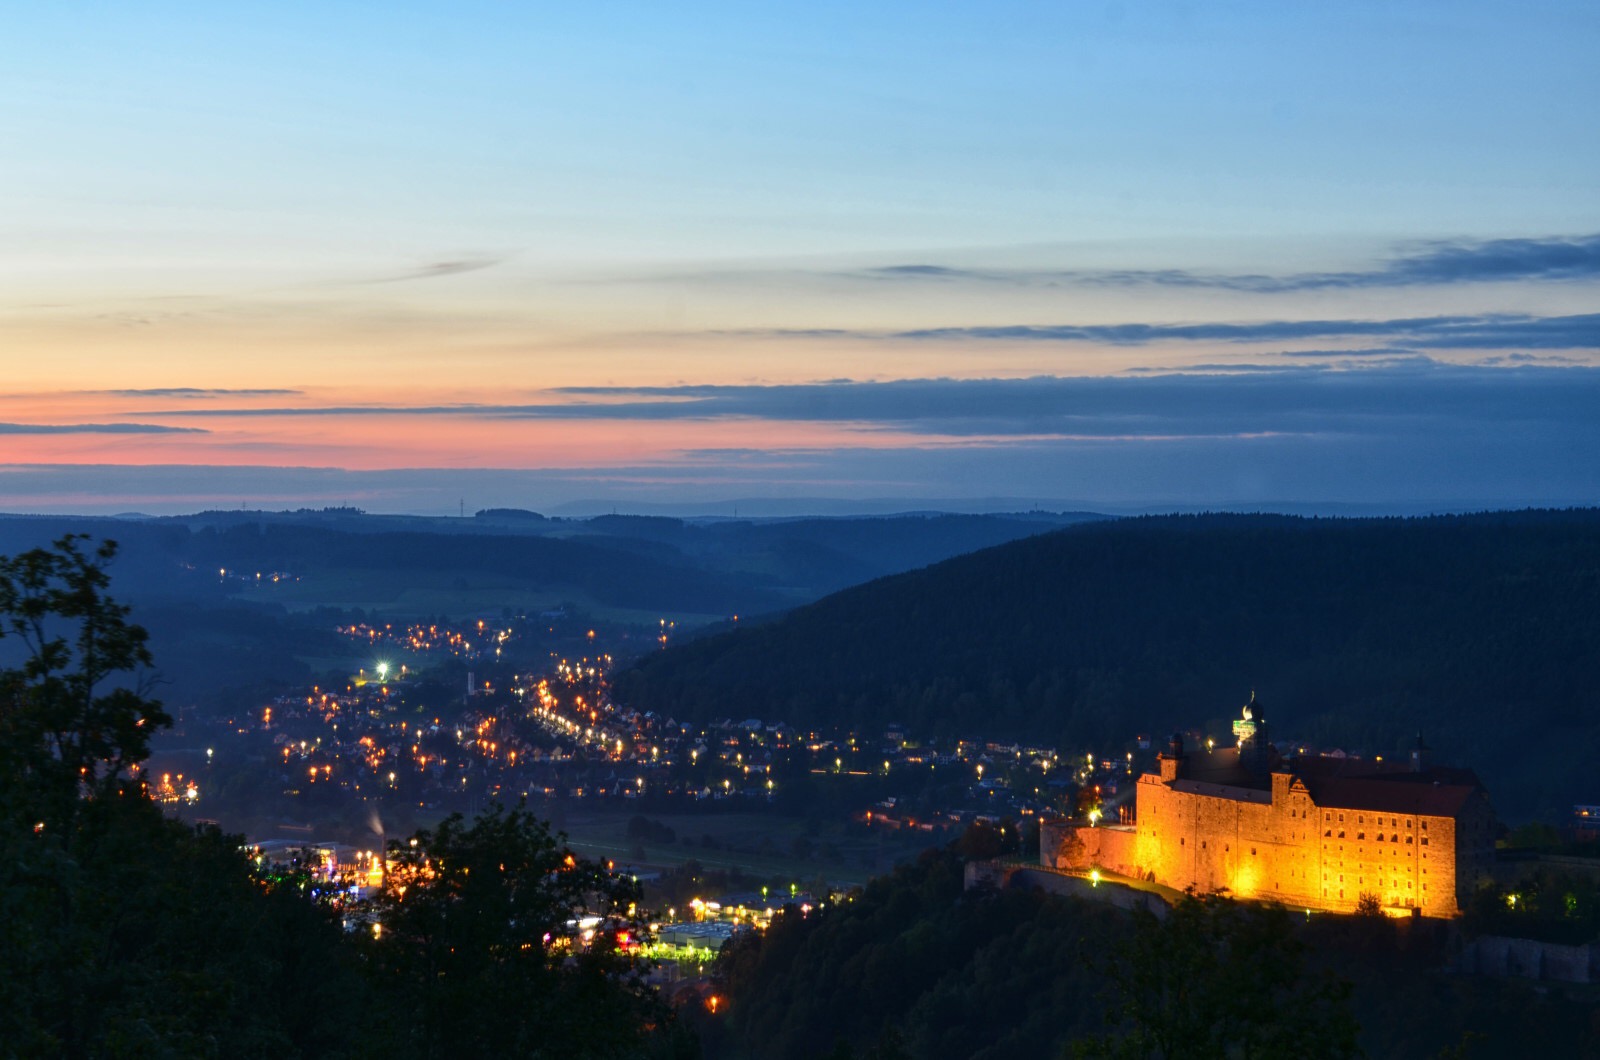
x: 709, y: 257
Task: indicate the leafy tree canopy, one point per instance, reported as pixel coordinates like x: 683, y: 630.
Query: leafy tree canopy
x: 495, y: 938
x: 67, y: 727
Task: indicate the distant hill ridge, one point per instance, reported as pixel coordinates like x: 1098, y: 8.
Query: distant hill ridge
x: 1483, y: 630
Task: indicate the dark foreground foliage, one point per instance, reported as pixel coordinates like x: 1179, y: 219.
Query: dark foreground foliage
x: 914, y: 961
x: 916, y: 967
x: 123, y: 933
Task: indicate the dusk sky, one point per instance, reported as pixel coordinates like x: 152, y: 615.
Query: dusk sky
x: 879, y: 255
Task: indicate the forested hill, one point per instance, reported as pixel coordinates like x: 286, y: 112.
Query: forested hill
x: 1482, y: 630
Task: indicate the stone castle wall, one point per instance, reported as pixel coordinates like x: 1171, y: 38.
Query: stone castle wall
x: 1281, y: 846
x: 1495, y: 955
x: 1277, y: 844
x: 1113, y: 847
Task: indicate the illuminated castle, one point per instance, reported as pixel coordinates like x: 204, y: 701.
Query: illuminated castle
x: 1305, y: 831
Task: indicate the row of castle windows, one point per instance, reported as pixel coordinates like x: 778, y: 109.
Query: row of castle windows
x: 1361, y: 880
x: 1394, y: 822
x: 1380, y: 836
x: 1341, y: 891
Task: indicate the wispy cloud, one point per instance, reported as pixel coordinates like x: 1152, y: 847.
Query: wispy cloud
x: 1437, y: 262
x: 1296, y: 397
x: 196, y: 392
x: 1564, y: 258
x: 1380, y: 351
x: 439, y: 269
x: 1483, y: 331
x: 96, y: 428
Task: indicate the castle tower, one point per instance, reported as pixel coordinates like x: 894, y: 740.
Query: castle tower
x: 1421, y: 755
x: 1255, y: 747
x: 1171, y: 760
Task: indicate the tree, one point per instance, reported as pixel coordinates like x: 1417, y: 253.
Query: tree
x: 66, y: 728
x: 1215, y: 978
x: 494, y: 938
x: 121, y: 932
x: 982, y: 840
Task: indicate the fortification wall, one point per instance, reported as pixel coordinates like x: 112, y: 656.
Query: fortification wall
x: 1291, y: 851
x: 1495, y: 955
x: 1210, y: 842
x: 1403, y: 860
x: 1113, y: 847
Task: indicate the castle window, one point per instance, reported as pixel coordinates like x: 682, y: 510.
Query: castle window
x: 1327, y: 834
x: 1341, y: 818
x: 1424, y: 826
x: 1341, y: 833
x: 1424, y: 840
x: 1326, y: 816
x: 1408, y: 822
x: 1361, y: 820
x: 1361, y: 835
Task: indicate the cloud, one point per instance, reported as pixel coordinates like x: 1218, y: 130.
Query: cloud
x: 1294, y: 398
x: 96, y: 428
x: 1407, y: 434
x: 343, y: 410
x: 1567, y: 258
x: 1432, y: 263
x: 1381, y: 351
x: 934, y: 272
x: 1484, y: 331
x: 439, y: 269
x: 195, y: 392
x: 1322, y: 361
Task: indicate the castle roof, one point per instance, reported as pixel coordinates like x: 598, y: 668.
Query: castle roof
x: 1225, y: 766
x: 1345, y: 785
x: 1237, y: 792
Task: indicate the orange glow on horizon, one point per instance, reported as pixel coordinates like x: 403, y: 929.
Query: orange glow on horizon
x: 368, y: 443
x: 383, y: 440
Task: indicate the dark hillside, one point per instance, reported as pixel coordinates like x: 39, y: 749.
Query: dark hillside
x: 711, y: 569
x: 1484, y: 631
